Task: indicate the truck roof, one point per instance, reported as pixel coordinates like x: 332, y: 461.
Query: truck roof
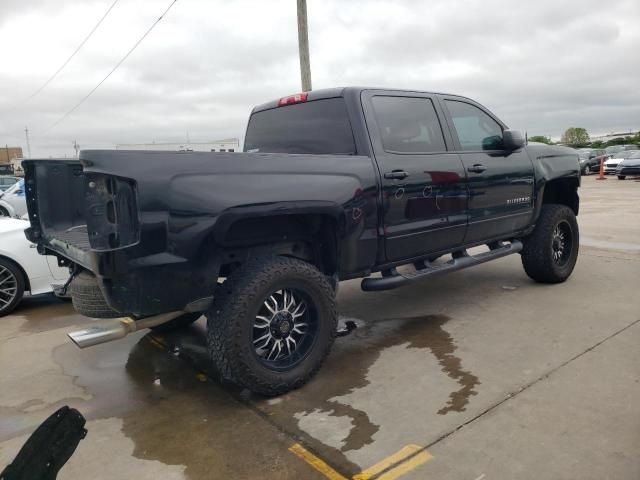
x: 341, y: 92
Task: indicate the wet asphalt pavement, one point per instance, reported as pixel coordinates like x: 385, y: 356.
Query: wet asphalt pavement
x: 476, y: 375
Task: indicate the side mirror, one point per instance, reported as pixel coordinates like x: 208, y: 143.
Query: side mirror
x: 512, y: 140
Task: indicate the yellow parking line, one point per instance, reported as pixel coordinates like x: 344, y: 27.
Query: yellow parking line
x: 407, y: 466
x: 315, y: 462
x: 405, y: 459
x: 399, y: 456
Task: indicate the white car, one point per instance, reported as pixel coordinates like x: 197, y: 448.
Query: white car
x: 22, y: 269
x: 13, y: 201
x: 611, y: 165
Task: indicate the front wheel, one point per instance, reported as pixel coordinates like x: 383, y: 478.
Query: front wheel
x: 551, y: 251
x: 621, y: 177
x: 271, y: 325
x: 11, y: 286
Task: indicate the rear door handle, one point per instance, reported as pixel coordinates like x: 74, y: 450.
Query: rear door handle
x: 396, y: 175
x: 477, y: 168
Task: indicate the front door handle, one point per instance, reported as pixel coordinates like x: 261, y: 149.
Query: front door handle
x: 396, y: 175
x: 477, y: 168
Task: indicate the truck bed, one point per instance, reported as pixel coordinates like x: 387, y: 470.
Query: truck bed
x: 142, y: 220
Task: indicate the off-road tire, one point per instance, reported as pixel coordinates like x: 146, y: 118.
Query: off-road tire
x: 20, y: 284
x: 537, y: 253
x: 231, y: 318
x: 178, y: 323
x: 621, y: 177
x: 87, y: 297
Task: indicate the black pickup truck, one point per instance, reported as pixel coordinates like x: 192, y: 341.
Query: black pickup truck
x: 332, y: 185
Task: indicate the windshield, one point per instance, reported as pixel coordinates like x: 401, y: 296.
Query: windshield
x: 320, y: 127
x: 622, y: 155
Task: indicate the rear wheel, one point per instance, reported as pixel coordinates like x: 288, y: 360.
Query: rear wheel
x: 4, y: 212
x: 551, y: 251
x: 586, y: 170
x: 11, y: 286
x: 272, y: 324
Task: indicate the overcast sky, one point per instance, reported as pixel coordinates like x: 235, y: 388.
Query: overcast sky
x: 540, y: 66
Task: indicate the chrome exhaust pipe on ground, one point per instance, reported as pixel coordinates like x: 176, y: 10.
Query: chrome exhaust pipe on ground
x: 104, y: 331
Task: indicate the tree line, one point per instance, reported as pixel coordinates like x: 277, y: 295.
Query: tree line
x: 578, y: 137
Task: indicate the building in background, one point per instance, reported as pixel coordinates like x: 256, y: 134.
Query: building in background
x: 10, y: 158
x: 612, y: 136
x: 8, y: 153
x: 225, y: 145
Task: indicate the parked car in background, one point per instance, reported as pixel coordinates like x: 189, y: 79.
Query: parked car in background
x: 613, y: 149
x: 13, y: 202
x: 22, y: 269
x: 629, y: 166
x: 7, y: 181
x: 611, y: 164
x: 590, y: 159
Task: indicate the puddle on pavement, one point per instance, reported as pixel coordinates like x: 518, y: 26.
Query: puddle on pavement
x: 45, y: 312
x: 346, y: 371
x: 170, y: 410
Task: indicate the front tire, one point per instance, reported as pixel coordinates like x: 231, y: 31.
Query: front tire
x: 551, y: 251
x: 12, y: 284
x: 4, y: 212
x: 621, y: 177
x: 272, y: 324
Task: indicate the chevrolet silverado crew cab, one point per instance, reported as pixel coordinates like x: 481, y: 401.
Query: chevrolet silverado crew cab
x: 332, y: 185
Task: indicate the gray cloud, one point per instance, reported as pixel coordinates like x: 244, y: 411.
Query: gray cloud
x: 541, y: 67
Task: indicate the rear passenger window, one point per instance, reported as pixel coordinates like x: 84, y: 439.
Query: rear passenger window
x: 476, y: 130
x: 408, y: 125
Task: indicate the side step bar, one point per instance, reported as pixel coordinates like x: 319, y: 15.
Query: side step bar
x: 461, y: 259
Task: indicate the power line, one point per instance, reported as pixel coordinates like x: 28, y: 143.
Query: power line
x: 69, y: 112
x: 42, y: 87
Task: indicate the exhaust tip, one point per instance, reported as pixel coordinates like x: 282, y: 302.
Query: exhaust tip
x: 100, y: 332
x: 72, y: 336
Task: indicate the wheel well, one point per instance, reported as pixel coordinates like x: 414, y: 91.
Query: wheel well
x: 27, y: 285
x: 309, y: 237
x: 563, y: 191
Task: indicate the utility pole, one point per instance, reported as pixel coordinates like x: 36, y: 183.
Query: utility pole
x: 303, y: 46
x: 76, y: 147
x: 26, y: 133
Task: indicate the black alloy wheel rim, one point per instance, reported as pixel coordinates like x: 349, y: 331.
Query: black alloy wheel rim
x: 562, y: 243
x: 284, y: 329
